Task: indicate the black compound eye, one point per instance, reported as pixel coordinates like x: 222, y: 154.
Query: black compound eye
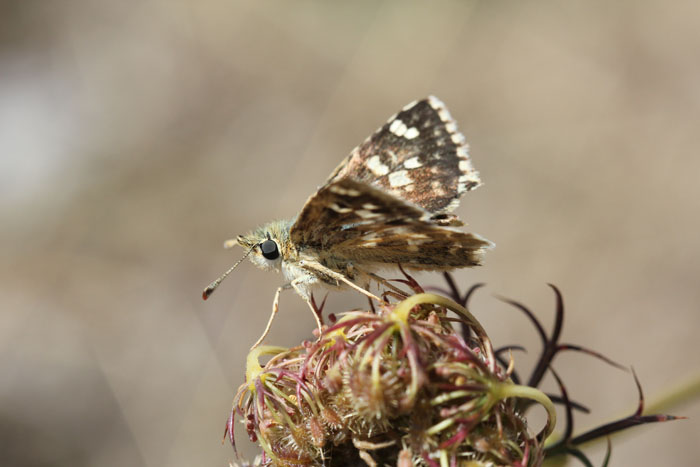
x: 269, y: 249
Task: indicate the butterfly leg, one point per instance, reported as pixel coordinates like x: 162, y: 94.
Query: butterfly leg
x: 384, y: 282
x: 370, y: 276
x: 314, y: 266
x: 275, y: 309
x: 319, y: 324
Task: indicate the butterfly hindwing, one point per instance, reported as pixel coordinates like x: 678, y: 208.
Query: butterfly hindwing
x: 416, y: 245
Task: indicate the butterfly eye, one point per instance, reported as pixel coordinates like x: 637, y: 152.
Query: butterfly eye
x: 269, y: 249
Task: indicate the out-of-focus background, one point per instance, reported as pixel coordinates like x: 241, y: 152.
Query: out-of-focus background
x: 136, y: 136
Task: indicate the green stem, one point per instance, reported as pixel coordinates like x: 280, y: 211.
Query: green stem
x: 253, y: 368
x: 506, y: 390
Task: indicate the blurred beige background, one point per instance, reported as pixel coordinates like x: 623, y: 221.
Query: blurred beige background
x: 136, y: 136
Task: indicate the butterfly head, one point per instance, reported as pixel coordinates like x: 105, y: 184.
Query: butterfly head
x: 268, y: 245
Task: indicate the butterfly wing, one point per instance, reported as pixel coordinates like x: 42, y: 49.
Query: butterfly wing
x: 348, y: 220
x: 418, y: 155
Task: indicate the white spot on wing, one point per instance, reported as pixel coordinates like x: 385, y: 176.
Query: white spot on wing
x: 442, y: 111
x: 464, y: 165
x: 344, y: 191
x: 340, y: 209
x: 374, y: 164
x: 412, y: 163
x: 450, y: 125
x: 411, y: 133
x: 399, y: 178
x: 365, y: 214
x: 398, y: 127
x: 458, y: 138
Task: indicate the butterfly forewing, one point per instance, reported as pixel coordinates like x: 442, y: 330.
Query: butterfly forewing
x: 418, y: 156
x: 345, y: 209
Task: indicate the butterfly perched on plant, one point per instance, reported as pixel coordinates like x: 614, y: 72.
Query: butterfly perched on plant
x: 388, y: 203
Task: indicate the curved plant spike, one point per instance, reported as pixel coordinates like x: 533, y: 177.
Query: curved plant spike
x: 453, y: 291
x: 568, y: 444
x: 550, y: 344
x: 575, y: 405
x: 569, y: 427
x: 318, y: 309
x: 409, y: 281
x: 635, y: 419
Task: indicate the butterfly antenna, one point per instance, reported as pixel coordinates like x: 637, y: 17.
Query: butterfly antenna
x: 212, y: 287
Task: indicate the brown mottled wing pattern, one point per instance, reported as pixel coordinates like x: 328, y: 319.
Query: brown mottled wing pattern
x: 349, y: 220
x: 418, y: 155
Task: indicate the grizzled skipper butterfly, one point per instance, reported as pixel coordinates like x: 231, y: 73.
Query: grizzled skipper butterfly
x: 387, y: 203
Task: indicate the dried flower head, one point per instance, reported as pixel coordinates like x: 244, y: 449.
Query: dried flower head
x: 399, y: 384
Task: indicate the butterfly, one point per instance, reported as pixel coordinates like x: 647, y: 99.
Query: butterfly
x: 388, y: 203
